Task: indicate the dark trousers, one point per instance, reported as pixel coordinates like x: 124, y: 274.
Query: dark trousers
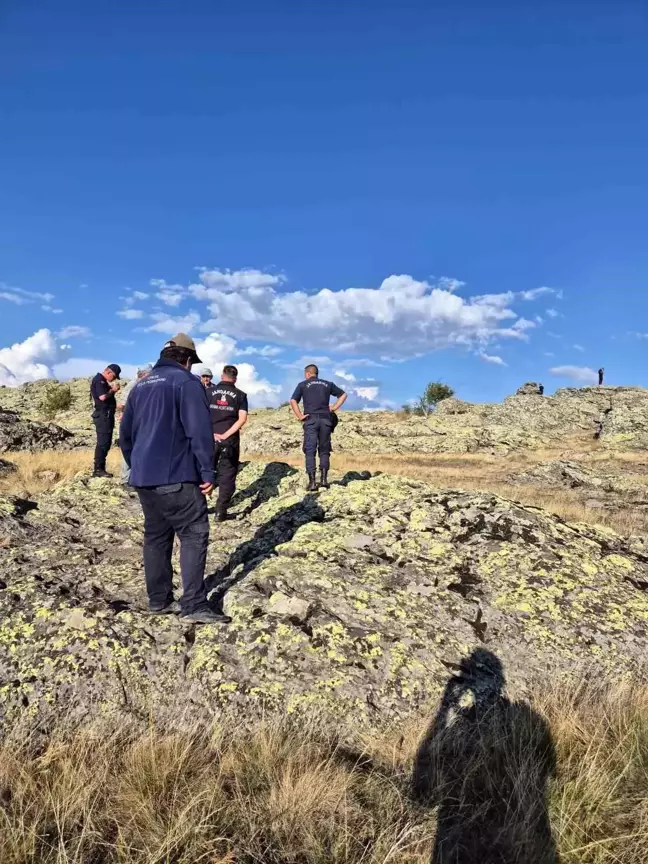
x: 104, y: 421
x: 317, y: 438
x: 179, y: 509
x: 226, y: 462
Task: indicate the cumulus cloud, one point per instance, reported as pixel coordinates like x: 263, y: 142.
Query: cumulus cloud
x: 170, y: 295
x: 263, y: 351
x: 553, y: 313
x: 163, y: 322
x: 580, y: 374
x: 403, y: 316
x: 20, y: 297
x: 74, y: 331
x: 492, y: 358
x: 30, y: 360
x: 217, y: 349
x: 130, y: 314
x: 83, y: 367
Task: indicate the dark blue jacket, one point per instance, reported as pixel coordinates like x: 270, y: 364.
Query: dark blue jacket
x: 166, y: 432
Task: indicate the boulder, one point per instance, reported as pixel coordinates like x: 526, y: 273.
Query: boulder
x: 528, y: 389
x: 18, y: 433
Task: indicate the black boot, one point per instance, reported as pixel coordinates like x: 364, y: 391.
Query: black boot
x: 324, y: 478
x: 312, y: 485
x: 221, y: 515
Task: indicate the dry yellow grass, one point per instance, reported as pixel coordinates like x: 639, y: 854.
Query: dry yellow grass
x: 302, y: 793
x: 482, y: 472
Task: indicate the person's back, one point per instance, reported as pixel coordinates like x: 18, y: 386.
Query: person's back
x: 167, y: 442
x: 164, y: 405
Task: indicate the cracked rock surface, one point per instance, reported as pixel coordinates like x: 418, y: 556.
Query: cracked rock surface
x: 18, y: 433
x: 350, y: 599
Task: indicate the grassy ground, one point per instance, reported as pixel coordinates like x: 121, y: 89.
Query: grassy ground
x: 280, y: 794
x: 38, y: 472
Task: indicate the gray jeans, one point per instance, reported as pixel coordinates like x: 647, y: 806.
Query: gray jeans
x: 125, y: 472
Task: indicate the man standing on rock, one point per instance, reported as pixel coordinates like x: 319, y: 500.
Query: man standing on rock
x: 103, y: 388
x: 142, y: 372
x: 318, y: 419
x: 167, y: 442
x: 601, y: 373
x: 228, y: 407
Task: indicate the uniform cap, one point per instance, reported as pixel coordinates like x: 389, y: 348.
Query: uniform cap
x: 181, y: 340
x: 114, y: 368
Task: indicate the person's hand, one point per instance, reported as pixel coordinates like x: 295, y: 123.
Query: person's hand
x: 207, y: 488
x: 304, y: 417
x: 218, y: 436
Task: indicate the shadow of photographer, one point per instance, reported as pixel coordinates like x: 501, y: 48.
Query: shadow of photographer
x: 485, y: 762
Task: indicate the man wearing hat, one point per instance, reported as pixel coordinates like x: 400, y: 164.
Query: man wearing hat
x: 167, y: 441
x: 142, y: 372
x: 103, y: 388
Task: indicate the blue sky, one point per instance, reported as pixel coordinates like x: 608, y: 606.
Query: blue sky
x: 327, y: 179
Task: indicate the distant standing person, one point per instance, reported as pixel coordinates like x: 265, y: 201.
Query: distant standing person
x: 167, y: 442
x: 228, y: 407
x: 103, y: 388
x: 541, y: 390
x: 601, y: 374
x: 142, y: 372
x: 315, y: 395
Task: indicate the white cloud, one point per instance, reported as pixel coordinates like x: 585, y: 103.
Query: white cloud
x: 30, y: 360
x: 51, y: 309
x: 20, y: 297
x: 581, y: 374
x: 264, y: 351
x: 534, y: 293
x: 170, y: 325
x: 403, y: 316
x: 578, y: 347
x: 74, y: 331
x: 492, y: 358
x: 130, y: 314
x: 553, y: 313
x: 218, y: 281
x: 344, y: 375
x: 216, y: 350
x: 549, y: 354
x: 83, y: 367
x: 170, y: 295
x: 140, y: 295
x: 523, y: 324
x: 368, y: 393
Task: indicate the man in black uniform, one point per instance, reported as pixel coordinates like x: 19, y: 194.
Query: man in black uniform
x: 317, y: 419
x: 103, y: 388
x: 601, y: 373
x: 228, y: 407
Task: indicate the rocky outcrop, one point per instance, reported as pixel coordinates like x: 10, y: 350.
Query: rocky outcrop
x: 17, y: 433
x: 617, y: 415
x: 352, y: 599
x: 528, y: 389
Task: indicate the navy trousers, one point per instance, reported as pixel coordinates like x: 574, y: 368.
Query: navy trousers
x: 178, y: 509
x: 104, y: 421
x: 226, y: 462
x: 317, y: 439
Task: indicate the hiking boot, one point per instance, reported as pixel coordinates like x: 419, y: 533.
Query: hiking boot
x: 312, y: 484
x: 324, y: 478
x: 205, y: 616
x: 172, y: 608
x: 101, y: 472
x: 221, y: 516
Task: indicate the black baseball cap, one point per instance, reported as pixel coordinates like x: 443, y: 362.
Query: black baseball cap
x: 114, y: 368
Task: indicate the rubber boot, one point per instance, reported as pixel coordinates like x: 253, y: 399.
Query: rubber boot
x: 312, y: 485
x: 324, y: 478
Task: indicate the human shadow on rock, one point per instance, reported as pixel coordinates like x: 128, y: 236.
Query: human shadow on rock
x: 264, y: 487
x: 486, y: 762
x: 249, y: 555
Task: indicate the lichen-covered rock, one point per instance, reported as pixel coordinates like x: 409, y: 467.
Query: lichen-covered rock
x: 17, y: 433
x: 350, y: 599
x: 528, y: 389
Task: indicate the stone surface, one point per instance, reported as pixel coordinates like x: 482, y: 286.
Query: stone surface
x: 7, y: 468
x: 364, y: 627
x: 520, y: 422
x: 528, y: 389
x: 18, y: 433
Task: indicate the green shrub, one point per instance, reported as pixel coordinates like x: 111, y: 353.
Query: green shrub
x: 58, y: 397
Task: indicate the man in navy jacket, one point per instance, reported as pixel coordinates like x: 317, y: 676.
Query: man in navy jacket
x: 166, y: 439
